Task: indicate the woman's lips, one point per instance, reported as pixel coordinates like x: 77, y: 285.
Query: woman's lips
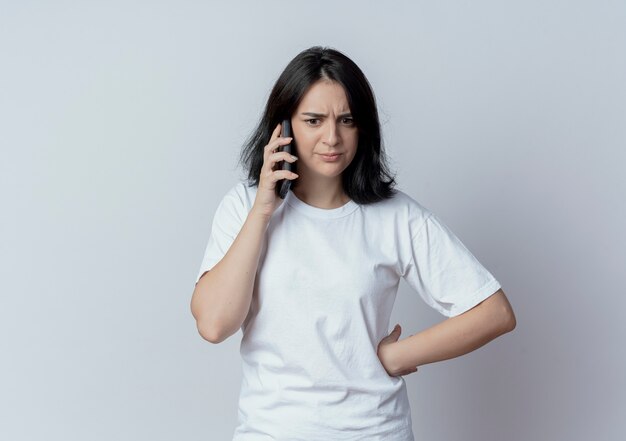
x: 330, y: 158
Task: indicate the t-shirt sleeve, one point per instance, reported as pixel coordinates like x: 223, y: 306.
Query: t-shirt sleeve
x: 228, y: 219
x: 444, y: 272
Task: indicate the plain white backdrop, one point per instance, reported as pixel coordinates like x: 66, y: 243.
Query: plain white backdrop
x: 120, y: 129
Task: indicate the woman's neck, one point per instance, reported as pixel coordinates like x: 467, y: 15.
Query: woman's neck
x: 320, y: 194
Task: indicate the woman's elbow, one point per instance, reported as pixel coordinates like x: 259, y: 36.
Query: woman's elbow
x: 501, y: 311
x: 508, y: 316
x: 510, y: 321
x: 209, y: 333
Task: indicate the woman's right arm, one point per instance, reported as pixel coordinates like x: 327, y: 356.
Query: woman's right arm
x: 222, y: 297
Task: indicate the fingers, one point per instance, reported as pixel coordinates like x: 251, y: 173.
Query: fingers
x: 406, y: 372
x: 275, y: 135
x: 281, y: 174
x: 272, y: 145
x: 269, y: 171
x: 275, y: 158
x: 269, y: 148
x: 396, y: 329
x: 276, y: 131
x: 275, y: 141
x: 281, y: 156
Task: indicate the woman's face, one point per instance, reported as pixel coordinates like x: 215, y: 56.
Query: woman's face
x: 323, y: 125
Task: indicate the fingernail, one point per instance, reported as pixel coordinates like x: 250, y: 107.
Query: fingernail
x: 294, y: 157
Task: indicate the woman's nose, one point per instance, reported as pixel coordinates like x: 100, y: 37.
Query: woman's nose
x: 332, y: 137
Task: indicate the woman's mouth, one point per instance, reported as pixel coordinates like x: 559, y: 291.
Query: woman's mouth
x: 330, y: 158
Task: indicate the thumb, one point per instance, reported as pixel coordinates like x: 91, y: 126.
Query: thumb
x: 396, y: 331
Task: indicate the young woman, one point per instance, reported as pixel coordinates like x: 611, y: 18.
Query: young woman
x: 311, y: 280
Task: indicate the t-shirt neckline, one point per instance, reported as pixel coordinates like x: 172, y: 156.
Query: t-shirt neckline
x: 320, y: 213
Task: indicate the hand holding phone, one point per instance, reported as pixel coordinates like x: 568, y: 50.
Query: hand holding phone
x: 283, y: 185
x: 273, y: 173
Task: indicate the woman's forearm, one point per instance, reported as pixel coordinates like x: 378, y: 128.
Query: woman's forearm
x: 221, y: 299
x: 456, y: 336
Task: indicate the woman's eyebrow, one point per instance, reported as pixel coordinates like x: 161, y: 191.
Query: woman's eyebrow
x: 323, y: 114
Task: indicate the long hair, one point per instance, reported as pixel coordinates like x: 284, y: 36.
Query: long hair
x: 367, y: 179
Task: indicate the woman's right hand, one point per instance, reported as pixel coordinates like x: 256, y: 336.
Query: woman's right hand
x: 266, y: 200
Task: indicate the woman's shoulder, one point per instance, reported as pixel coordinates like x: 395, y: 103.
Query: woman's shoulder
x: 242, y: 194
x: 401, y: 210
x: 402, y: 201
x: 242, y: 187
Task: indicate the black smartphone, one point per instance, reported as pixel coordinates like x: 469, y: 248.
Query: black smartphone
x: 283, y: 185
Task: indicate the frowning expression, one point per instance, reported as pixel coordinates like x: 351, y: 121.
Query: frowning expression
x: 324, y: 131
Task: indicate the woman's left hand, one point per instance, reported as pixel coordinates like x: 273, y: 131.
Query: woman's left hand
x: 384, y: 353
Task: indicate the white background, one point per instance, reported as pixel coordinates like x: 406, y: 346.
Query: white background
x: 120, y: 129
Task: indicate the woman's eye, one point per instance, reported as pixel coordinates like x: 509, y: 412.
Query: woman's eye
x: 314, y: 121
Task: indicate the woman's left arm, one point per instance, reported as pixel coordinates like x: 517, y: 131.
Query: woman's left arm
x: 452, y: 337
